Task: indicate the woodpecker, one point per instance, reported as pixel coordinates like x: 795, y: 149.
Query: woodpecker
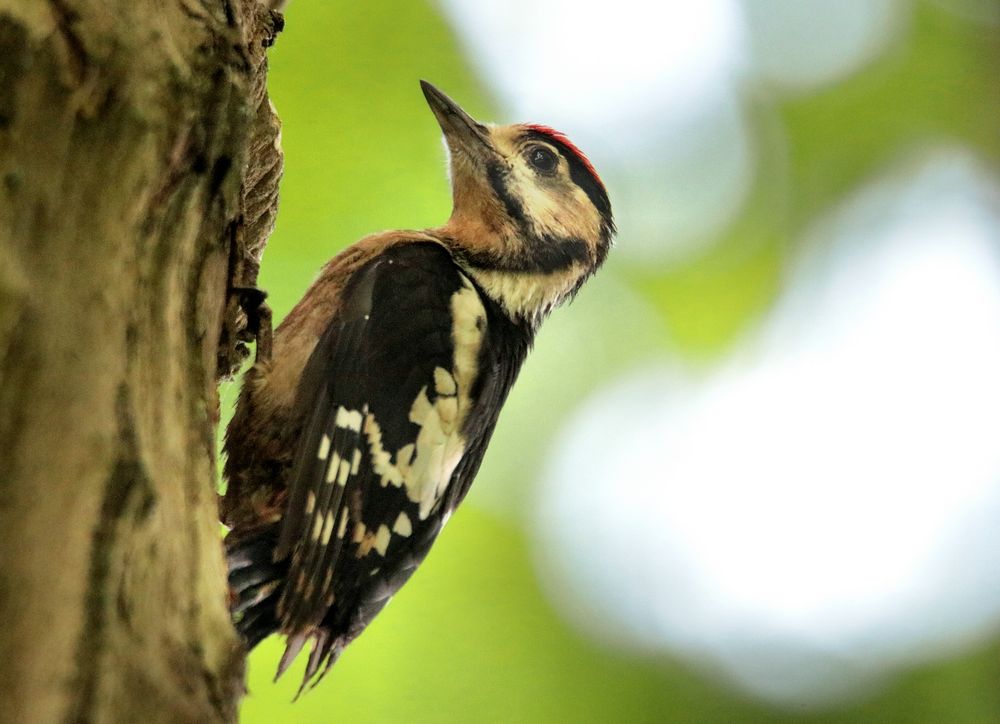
x: 365, y: 418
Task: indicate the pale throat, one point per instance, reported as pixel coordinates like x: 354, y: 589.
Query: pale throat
x: 528, y: 295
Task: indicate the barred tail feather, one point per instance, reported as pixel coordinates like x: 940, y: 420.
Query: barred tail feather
x: 255, y: 584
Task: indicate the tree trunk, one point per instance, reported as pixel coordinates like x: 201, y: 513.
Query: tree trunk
x: 138, y: 176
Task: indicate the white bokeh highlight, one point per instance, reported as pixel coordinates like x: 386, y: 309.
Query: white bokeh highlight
x: 656, y: 94
x: 565, y: 365
x: 600, y: 65
x: 804, y: 44
x: 648, y: 90
x: 822, y: 508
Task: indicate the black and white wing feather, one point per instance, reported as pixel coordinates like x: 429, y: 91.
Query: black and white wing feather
x: 391, y: 397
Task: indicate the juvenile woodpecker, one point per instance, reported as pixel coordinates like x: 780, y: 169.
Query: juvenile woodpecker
x: 358, y: 435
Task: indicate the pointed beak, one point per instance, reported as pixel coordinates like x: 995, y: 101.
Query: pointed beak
x: 462, y: 132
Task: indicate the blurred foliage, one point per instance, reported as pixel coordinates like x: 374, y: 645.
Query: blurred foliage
x: 472, y: 638
x: 938, y: 84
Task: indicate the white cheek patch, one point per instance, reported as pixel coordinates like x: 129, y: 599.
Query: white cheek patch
x: 566, y: 212
x: 539, y: 205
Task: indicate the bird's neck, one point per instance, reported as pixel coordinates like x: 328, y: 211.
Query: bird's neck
x: 527, y: 295
x: 516, y: 273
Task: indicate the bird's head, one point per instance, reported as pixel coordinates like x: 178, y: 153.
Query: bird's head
x: 531, y: 219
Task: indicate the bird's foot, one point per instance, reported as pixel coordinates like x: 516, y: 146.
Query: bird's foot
x: 253, y: 303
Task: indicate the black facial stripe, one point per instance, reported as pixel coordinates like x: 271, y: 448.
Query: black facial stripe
x: 498, y: 180
x: 545, y: 254
x: 579, y: 174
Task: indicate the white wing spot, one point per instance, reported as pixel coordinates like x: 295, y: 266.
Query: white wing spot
x: 324, y: 447
x: 310, y: 503
x: 348, y: 419
x: 421, y: 409
x: 466, y: 310
x: 447, y: 408
x: 381, y: 460
x: 333, y: 468
x: 317, y: 526
x: 356, y: 461
x: 342, y: 526
x: 424, y: 467
x: 345, y: 471
x: 404, y: 457
x: 403, y: 526
x: 328, y: 527
x: 359, y: 532
x: 444, y: 383
x: 382, y: 539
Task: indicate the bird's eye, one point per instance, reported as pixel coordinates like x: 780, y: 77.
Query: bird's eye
x: 542, y: 159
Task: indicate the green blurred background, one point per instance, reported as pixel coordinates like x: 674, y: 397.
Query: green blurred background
x: 473, y: 637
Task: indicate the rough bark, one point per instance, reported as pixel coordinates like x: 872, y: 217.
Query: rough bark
x: 138, y: 177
